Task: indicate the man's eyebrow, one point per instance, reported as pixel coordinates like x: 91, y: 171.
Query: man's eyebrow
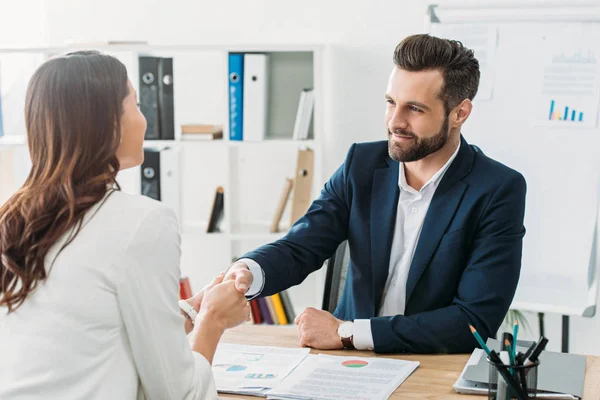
x: 420, y: 105
x: 412, y: 103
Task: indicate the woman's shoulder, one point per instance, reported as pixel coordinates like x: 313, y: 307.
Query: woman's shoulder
x: 132, y: 211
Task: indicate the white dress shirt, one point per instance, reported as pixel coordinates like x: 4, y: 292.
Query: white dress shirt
x: 412, y: 209
x: 106, y: 324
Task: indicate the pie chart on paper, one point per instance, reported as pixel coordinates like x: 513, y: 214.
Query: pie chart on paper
x: 355, y: 363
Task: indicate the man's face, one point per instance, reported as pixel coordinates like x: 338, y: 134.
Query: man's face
x: 415, y: 117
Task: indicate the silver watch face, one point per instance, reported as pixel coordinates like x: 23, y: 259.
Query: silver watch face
x: 346, y: 329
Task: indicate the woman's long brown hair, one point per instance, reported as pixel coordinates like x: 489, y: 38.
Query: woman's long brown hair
x: 73, y: 109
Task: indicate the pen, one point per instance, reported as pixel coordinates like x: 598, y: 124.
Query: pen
x: 519, y: 359
x: 531, y: 348
x: 539, y: 347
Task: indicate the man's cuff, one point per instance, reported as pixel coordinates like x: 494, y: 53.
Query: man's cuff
x: 363, y: 336
x: 258, y: 278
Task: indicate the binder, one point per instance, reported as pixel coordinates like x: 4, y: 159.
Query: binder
x: 165, y: 99
x: 185, y: 290
x: 149, y: 93
x: 159, y: 176
x: 269, y: 301
x: 287, y: 306
x: 255, y: 312
x: 304, y: 114
x: 264, y: 310
x: 236, y: 96
x: 301, y: 197
x: 278, y: 307
x: 255, y: 97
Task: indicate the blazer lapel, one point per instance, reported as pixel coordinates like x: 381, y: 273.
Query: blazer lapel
x: 443, y: 205
x: 384, y: 203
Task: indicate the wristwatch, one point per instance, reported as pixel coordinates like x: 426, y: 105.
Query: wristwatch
x: 188, y: 310
x: 346, y: 333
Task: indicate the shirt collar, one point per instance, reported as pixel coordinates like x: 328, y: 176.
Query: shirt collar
x: 434, y: 179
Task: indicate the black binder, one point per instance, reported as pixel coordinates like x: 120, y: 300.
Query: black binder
x: 156, y: 97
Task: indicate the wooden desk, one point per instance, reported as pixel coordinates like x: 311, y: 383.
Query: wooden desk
x: 432, y: 380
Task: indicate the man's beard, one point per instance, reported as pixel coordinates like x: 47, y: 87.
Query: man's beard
x: 420, y: 148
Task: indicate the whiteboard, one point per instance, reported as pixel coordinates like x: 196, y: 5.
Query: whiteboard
x: 513, y: 122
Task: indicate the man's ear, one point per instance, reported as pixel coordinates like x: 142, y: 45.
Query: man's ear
x: 460, y: 113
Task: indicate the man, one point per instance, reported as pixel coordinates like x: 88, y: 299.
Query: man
x: 434, y: 226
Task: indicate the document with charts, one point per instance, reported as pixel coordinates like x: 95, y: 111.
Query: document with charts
x: 349, y: 378
x: 253, y: 370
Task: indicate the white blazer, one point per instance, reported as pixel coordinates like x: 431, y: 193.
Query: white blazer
x: 106, y: 322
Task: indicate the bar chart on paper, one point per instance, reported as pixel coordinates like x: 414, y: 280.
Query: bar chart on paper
x: 567, y: 114
x: 570, y: 87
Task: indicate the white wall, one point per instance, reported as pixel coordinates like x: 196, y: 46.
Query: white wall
x: 22, y: 23
x: 363, y: 32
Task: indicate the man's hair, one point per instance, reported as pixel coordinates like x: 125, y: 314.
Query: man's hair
x: 457, y: 63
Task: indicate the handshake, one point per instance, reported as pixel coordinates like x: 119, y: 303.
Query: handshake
x: 222, y: 303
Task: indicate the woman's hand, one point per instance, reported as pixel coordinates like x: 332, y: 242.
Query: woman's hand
x: 196, y: 300
x: 223, y: 306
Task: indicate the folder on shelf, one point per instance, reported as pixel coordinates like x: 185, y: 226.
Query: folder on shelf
x: 301, y: 197
x: 283, y: 200
x: 185, y: 290
x: 264, y: 310
x: 217, y: 212
x: 255, y: 97
x: 166, y: 98
x: 304, y: 114
x: 272, y: 313
x: 236, y: 96
x: 256, y: 312
x: 287, y: 306
x: 278, y: 307
x: 156, y: 97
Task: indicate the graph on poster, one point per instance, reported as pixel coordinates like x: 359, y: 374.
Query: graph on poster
x: 569, y: 114
x: 570, y: 91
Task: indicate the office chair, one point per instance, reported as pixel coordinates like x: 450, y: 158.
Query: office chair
x: 337, y: 270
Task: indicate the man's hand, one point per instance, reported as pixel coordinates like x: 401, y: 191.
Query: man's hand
x: 318, y: 329
x: 240, y: 273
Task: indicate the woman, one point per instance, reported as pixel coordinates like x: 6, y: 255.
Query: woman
x: 89, y: 275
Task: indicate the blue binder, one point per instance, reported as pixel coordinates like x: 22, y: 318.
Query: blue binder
x: 236, y: 96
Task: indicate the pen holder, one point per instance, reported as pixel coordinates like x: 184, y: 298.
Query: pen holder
x: 525, y: 377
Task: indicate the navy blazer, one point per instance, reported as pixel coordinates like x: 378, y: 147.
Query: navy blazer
x: 466, y: 264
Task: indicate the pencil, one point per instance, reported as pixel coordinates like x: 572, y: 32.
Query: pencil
x: 515, y: 332
x: 479, y: 339
x: 510, y: 352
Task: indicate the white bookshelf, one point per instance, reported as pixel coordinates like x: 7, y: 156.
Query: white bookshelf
x: 252, y: 173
